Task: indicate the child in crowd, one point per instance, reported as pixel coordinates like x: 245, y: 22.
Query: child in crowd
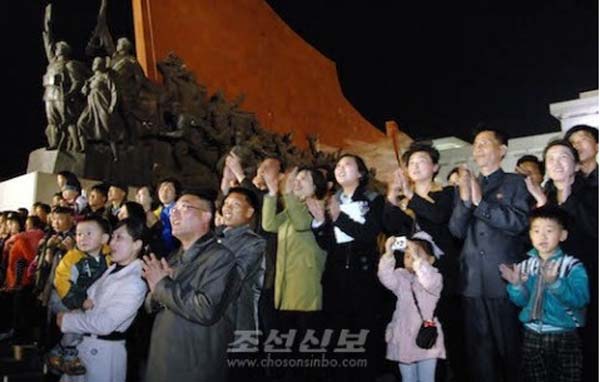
x: 78, y: 269
x: 552, y: 288
x: 117, y: 195
x: 418, y: 287
x: 55, y: 244
x: 71, y: 193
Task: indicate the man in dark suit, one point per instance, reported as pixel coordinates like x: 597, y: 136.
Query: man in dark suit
x: 490, y: 213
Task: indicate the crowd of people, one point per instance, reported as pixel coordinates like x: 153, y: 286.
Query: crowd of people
x: 310, y: 274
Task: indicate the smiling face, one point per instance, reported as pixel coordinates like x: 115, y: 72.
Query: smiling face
x: 123, y: 249
x: 560, y: 163
x: 237, y: 211
x: 488, y: 152
x: 421, y: 167
x: 190, y: 219
x: 546, y: 235
x: 303, y: 185
x: 347, y: 173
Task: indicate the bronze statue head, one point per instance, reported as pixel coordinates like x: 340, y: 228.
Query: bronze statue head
x: 62, y: 49
x: 124, y: 45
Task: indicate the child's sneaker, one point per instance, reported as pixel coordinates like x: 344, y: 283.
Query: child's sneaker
x: 71, y: 364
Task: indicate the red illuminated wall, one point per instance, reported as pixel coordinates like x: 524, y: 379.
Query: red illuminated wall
x: 242, y: 46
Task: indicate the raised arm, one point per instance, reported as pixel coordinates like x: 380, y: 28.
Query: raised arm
x: 47, y: 34
x: 271, y: 220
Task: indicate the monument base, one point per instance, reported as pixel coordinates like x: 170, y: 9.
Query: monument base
x: 144, y: 164
x: 53, y: 161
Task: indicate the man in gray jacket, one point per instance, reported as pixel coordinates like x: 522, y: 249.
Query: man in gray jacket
x: 192, y: 292
x: 490, y: 213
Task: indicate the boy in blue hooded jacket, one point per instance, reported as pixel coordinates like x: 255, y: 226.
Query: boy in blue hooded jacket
x: 552, y: 288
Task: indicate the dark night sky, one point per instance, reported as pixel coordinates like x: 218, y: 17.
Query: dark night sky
x: 437, y: 68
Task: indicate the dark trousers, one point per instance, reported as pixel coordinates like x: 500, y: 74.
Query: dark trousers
x: 450, y: 313
x: 553, y: 357
x: 589, y: 333
x: 492, y: 339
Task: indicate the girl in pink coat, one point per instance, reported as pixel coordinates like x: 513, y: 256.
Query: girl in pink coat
x: 418, y: 275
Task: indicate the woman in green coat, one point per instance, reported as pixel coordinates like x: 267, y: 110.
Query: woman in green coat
x: 300, y: 261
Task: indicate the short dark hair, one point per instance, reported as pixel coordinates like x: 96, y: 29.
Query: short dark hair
x: 150, y: 189
x: 422, y: 146
x: 43, y: 206
x: 564, y: 143
x: 551, y: 212
x: 593, y: 132
x: 17, y: 217
x: 276, y: 158
x: 362, y: 168
x: 206, y: 194
x: 121, y: 186
x: 100, y: 188
x: 249, y: 195
x: 532, y: 159
x: 425, y: 245
x: 63, y: 210
x: 454, y: 170
x: 23, y: 211
x: 135, y: 211
x: 318, y: 180
x: 36, y: 222
x: 136, y: 229
x: 99, y: 220
x: 500, y: 135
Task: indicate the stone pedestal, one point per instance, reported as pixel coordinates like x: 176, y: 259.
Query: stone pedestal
x: 53, y: 161
x: 146, y: 163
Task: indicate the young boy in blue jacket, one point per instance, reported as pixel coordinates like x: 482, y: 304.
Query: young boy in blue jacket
x: 552, y: 288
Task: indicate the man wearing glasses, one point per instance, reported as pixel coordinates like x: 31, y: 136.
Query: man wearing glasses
x: 191, y: 292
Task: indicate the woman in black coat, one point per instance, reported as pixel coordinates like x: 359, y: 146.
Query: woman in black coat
x: 351, y: 292
x: 415, y: 202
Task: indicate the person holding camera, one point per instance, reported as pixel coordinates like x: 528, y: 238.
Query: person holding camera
x: 414, y: 336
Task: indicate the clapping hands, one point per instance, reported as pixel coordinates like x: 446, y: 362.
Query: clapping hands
x: 156, y: 270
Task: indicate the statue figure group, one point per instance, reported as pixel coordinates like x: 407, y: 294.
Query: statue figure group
x: 82, y: 106
x: 115, y: 107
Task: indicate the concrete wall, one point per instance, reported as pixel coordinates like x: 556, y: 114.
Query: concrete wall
x: 582, y: 110
x: 24, y: 190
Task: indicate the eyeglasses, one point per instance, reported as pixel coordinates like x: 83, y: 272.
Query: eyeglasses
x: 185, y: 208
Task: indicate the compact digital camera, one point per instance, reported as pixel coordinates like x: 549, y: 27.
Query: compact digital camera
x: 399, y: 243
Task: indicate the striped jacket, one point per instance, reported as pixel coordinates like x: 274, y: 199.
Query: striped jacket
x: 555, y: 307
